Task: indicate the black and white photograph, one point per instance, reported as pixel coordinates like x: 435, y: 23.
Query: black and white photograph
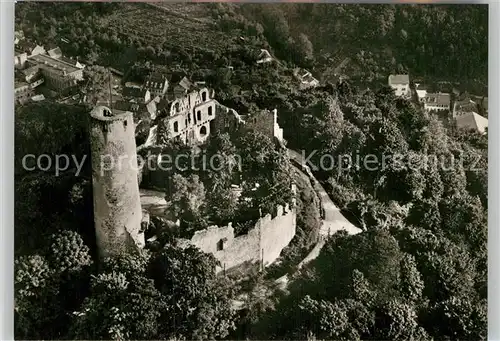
x: 250, y: 171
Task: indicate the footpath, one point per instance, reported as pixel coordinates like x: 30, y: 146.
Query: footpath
x: 333, y: 220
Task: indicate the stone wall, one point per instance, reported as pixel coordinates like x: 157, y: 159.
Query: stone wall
x: 227, y: 120
x: 262, y: 244
x: 189, y: 117
x: 264, y: 121
x: 277, y: 233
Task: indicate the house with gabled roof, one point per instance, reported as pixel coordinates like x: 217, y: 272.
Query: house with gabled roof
x: 437, y: 102
x: 421, y: 90
x: 182, y: 88
x: 400, y: 84
x: 464, y: 106
x: 305, y: 78
x: 55, y: 53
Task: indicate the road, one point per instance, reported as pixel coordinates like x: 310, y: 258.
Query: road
x: 333, y: 220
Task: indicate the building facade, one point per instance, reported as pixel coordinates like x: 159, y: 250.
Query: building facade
x: 157, y: 84
x: 400, y: 84
x: 188, y: 118
x: 20, y: 59
x: 22, y: 92
x: 421, y: 90
x: 437, y: 102
x: 58, y: 74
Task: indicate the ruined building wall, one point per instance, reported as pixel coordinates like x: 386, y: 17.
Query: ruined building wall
x: 262, y: 122
x: 277, y: 233
x: 227, y: 120
x: 117, y: 207
x: 189, y: 118
x: 235, y: 251
x: 266, y: 122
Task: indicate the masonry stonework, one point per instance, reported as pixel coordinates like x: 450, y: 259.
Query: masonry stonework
x: 117, y: 206
x: 189, y: 117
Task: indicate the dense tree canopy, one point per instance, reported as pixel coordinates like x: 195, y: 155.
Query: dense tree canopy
x: 422, y: 256
x: 417, y: 271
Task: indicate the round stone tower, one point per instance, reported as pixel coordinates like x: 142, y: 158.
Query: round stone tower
x: 117, y: 206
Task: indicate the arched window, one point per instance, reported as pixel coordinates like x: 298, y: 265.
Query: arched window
x: 176, y: 126
x: 204, y: 96
x: 203, y: 131
x: 209, y: 111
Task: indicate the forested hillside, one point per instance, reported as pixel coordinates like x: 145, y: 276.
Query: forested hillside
x: 440, y: 42
x: 445, y: 42
x: 419, y: 269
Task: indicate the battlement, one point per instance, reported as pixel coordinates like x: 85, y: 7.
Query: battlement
x: 262, y: 244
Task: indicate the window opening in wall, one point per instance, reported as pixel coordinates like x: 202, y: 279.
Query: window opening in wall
x: 176, y: 126
x: 198, y: 115
x: 209, y: 111
x: 220, y: 244
x: 204, y: 96
x: 125, y: 123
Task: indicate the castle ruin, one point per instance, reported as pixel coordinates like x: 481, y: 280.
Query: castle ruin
x: 261, y: 245
x: 118, y: 216
x: 188, y: 117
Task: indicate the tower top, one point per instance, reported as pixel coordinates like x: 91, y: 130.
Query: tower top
x: 103, y: 113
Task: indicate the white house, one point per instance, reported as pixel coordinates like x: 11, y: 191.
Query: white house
x: 421, y: 90
x: 437, y: 102
x: 400, y: 84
